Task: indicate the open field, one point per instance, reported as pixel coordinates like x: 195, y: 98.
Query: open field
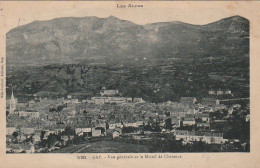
x: 106, y: 147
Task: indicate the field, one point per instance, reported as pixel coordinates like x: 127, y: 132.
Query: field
x: 106, y: 147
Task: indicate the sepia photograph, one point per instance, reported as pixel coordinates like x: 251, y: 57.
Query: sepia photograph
x: 107, y: 85
x: 129, y: 84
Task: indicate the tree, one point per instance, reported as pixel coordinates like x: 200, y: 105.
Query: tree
x: 69, y: 131
x: 168, y: 123
x: 52, y: 110
x: 51, y: 140
x: 59, y: 108
x: 42, y: 134
x: 15, y: 134
x: 156, y: 127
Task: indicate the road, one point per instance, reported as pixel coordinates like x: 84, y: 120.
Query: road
x: 234, y: 99
x: 80, y: 148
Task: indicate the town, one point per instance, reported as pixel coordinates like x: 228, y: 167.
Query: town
x: 72, y: 125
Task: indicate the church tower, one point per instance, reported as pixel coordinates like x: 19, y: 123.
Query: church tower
x: 12, y: 104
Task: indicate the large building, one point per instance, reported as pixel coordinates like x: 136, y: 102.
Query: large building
x: 189, y: 121
x: 117, y: 100
x: 81, y: 131
x: 30, y: 113
x: 188, y: 100
x: 178, y: 112
x: 210, y: 101
x: 105, y: 92
x: 191, y: 136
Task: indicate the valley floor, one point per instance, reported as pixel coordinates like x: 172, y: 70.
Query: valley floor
x: 105, y: 147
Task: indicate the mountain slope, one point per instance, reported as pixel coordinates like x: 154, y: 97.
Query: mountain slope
x: 111, y: 40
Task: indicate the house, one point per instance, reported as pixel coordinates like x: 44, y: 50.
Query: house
x: 192, y: 111
x: 105, y: 92
x: 166, y: 130
x: 147, y: 132
x: 21, y: 138
x: 162, y: 123
x: 236, y: 106
x: 10, y: 130
x: 228, y: 92
x: 247, y: 117
x: 36, y: 138
x: 178, y: 112
x: 205, y: 117
x: 96, y: 132
x: 115, y: 125
x: 211, y: 92
x: 74, y: 101
x: 220, y: 92
x: 31, y: 113
x: 130, y: 124
x: 188, y: 100
x: 15, y: 148
x: 58, y: 130
x: 176, y: 122
x: 189, y: 121
x: 119, y: 100
x: 230, y: 111
x: 31, y: 103
x: 10, y: 138
x: 65, y: 138
x: 200, y: 106
x: 139, y: 123
x: 203, y: 124
x: 8, y: 149
x: 115, y: 134
x: 45, y: 136
x: 220, y: 107
x: 139, y: 100
x: 208, y: 109
x: 99, y: 100
x: 27, y: 130
x: 189, y: 116
x: 81, y: 131
x: 210, y: 101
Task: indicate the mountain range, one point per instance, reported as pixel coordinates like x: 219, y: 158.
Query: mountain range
x: 94, y: 40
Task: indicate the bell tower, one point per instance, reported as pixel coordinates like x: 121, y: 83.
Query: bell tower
x: 12, y: 104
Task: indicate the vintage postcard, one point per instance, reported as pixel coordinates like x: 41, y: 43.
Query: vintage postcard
x: 123, y: 84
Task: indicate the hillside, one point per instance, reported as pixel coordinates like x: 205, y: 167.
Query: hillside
x: 158, y: 61
x: 114, y: 41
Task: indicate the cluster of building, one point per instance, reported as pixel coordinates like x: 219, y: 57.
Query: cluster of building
x: 28, y: 123
x: 111, y: 96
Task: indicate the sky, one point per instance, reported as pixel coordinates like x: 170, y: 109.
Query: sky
x: 13, y: 13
